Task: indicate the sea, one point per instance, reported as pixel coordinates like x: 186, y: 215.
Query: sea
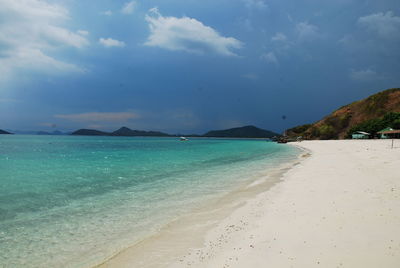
x: 74, y: 201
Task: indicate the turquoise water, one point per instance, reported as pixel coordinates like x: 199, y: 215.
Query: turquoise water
x: 73, y: 201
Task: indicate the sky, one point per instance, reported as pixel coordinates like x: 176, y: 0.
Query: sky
x: 191, y: 66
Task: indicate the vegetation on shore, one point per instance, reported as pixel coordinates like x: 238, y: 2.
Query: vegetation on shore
x: 370, y: 115
x: 375, y: 125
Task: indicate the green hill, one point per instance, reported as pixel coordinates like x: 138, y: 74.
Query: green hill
x: 378, y: 110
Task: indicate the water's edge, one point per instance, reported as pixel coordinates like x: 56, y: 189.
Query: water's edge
x: 75, y: 202
x: 188, y: 231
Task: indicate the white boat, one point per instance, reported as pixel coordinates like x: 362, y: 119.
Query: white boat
x: 183, y: 139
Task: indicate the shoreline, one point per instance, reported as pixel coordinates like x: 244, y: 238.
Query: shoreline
x: 340, y: 207
x: 188, y: 231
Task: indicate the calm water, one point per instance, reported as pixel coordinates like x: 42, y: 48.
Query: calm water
x: 74, y: 201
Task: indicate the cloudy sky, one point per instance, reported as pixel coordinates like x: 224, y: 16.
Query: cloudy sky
x: 190, y: 66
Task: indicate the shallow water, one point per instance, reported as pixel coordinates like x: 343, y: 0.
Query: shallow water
x: 74, y: 201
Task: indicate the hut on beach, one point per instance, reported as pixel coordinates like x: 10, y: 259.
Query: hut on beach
x: 389, y: 133
x: 360, y: 135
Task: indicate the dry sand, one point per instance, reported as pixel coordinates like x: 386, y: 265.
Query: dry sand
x: 340, y: 207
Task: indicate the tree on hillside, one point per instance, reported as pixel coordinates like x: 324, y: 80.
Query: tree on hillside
x: 375, y: 125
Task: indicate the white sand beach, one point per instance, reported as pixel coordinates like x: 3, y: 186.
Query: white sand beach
x: 340, y: 207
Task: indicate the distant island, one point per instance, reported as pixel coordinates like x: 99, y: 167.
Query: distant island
x: 90, y: 132
x: 371, y: 115
x: 4, y: 132
x: 35, y: 132
x: 122, y: 132
x: 240, y: 132
x: 127, y: 132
